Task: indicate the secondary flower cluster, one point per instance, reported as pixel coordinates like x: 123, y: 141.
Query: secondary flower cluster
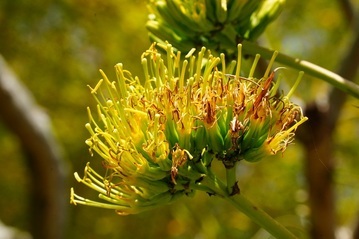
x: 158, y: 139
x: 218, y: 25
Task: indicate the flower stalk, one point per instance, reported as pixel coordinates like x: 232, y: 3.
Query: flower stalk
x: 301, y: 65
x: 239, y: 201
x: 260, y: 217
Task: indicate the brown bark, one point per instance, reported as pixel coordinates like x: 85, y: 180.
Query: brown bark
x: 319, y: 167
x: 356, y: 232
x: 28, y: 121
x: 348, y: 11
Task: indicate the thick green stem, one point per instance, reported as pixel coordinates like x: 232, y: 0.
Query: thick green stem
x: 309, y: 68
x: 260, y: 217
x: 231, y: 179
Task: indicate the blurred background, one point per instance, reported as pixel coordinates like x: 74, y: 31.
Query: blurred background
x: 53, y: 49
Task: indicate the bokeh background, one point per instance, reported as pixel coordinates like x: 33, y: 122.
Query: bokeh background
x: 55, y: 48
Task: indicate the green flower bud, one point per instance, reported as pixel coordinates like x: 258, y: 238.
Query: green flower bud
x: 159, y: 138
x: 219, y: 25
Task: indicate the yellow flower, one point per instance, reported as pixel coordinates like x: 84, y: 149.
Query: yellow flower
x: 158, y: 140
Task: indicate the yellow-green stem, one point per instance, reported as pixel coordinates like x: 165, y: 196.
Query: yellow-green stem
x: 231, y: 179
x: 260, y: 217
x: 217, y: 187
x: 309, y: 68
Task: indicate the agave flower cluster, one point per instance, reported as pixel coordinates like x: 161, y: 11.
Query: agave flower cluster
x: 158, y: 139
x: 216, y: 24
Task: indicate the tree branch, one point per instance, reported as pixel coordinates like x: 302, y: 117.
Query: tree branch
x: 32, y: 126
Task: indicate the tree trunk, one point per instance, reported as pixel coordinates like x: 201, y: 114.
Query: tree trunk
x: 316, y: 136
x: 319, y: 168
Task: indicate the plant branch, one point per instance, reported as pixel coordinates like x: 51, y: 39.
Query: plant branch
x: 301, y: 65
x: 260, y: 217
x: 247, y: 207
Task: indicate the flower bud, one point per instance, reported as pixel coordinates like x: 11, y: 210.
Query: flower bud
x: 219, y: 25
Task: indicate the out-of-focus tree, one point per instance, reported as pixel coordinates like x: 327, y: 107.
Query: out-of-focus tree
x: 56, y: 49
